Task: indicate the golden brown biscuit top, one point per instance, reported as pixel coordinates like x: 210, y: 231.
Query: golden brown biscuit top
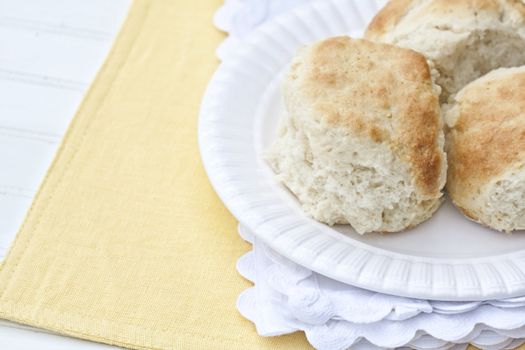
x: 377, y: 91
x: 386, y: 19
x: 487, y: 134
x: 420, y: 10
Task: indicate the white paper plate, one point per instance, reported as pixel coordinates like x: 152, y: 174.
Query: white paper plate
x: 447, y: 258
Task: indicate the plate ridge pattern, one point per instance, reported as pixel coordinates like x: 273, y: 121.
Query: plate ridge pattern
x: 231, y: 93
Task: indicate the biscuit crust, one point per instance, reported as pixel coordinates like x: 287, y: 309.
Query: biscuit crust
x: 486, y: 136
x: 394, y: 102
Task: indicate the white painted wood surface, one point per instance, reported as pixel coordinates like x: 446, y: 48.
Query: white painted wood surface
x: 50, y: 51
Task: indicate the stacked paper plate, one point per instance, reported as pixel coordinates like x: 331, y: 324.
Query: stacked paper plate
x: 288, y: 297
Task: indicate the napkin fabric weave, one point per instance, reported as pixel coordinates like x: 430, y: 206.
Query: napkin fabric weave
x: 126, y: 242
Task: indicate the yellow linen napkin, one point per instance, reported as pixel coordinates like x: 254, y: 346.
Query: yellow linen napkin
x: 126, y: 242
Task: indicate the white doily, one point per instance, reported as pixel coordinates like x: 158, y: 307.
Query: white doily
x: 240, y: 17
x: 288, y: 298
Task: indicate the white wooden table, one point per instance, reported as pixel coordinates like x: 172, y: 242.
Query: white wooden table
x: 50, y: 51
